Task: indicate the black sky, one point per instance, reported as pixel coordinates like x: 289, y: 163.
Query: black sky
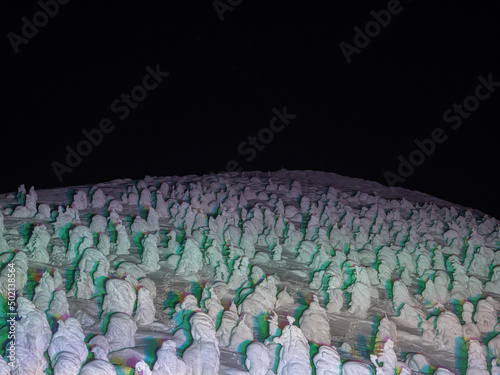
x: 226, y: 76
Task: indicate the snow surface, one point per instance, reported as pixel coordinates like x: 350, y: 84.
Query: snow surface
x: 288, y: 272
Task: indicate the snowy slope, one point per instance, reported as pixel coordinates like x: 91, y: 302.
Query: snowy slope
x: 358, y: 265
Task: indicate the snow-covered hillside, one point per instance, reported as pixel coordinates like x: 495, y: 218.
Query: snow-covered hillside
x: 287, y: 272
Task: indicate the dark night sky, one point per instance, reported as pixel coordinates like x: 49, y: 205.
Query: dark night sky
x: 226, y: 76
